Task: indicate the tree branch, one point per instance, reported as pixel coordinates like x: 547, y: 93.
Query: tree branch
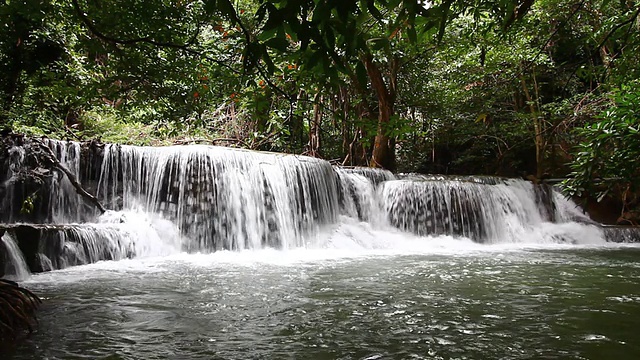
x: 618, y: 26
x: 147, y: 39
x: 51, y: 157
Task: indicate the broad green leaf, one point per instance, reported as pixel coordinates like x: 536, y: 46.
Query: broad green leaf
x: 278, y: 43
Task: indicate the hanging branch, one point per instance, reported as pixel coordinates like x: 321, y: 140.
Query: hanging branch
x: 51, y: 157
x: 630, y: 20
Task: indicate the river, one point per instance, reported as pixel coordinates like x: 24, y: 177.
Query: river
x: 428, y: 298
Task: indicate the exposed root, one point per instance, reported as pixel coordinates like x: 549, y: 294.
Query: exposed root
x: 17, y: 310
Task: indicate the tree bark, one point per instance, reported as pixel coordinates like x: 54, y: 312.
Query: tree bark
x: 383, y: 154
x: 537, y: 126
x: 344, y: 103
x: 314, y: 128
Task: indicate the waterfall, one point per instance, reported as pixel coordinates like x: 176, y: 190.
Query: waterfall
x: 13, y: 165
x: 483, y: 209
x: 15, y: 268
x: 115, y: 236
x: 622, y: 234
x: 65, y: 202
x: 569, y: 211
x: 199, y: 198
x: 373, y: 175
x: 222, y: 198
x: 58, y: 201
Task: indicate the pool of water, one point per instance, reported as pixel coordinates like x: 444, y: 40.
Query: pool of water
x: 454, y: 300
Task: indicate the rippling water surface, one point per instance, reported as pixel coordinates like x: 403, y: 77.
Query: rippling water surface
x: 464, y: 302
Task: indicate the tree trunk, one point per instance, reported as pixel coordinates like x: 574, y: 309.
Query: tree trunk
x: 537, y: 126
x: 296, y: 127
x: 344, y: 102
x: 383, y: 154
x: 314, y: 128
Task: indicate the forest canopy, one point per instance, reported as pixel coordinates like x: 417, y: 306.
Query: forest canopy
x: 507, y: 87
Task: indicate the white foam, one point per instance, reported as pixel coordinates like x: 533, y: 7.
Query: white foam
x: 149, y: 234
x: 348, y: 241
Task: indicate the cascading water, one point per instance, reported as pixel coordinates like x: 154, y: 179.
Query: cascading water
x: 117, y: 236
x: 222, y: 198
x: 483, y: 209
x: 15, y: 268
x: 569, y: 211
x: 204, y: 198
x: 358, y: 193
x: 64, y: 202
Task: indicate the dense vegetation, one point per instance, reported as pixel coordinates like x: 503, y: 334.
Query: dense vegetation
x: 507, y: 87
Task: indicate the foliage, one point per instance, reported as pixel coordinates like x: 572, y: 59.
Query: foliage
x: 608, y: 155
x: 489, y: 87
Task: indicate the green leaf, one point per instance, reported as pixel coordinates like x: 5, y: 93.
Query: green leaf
x: 227, y: 9
x: 411, y: 32
x: 267, y: 60
x: 444, y: 17
x: 373, y: 10
x: 278, y: 43
x: 267, y: 34
x: 378, y: 43
x: 275, y: 19
x: 392, y: 4
x: 210, y: 6
x: 313, y: 60
x: 321, y: 13
x: 266, y: 7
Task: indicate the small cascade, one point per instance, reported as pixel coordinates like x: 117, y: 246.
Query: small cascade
x: 84, y: 244
x: 568, y: 211
x: 89, y: 243
x: 358, y: 192
x: 485, y: 209
x: 116, y: 236
x: 9, y: 199
x: 65, y: 203
x: 31, y: 192
x: 622, y: 234
x: 374, y: 175
x: 15, y: 268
